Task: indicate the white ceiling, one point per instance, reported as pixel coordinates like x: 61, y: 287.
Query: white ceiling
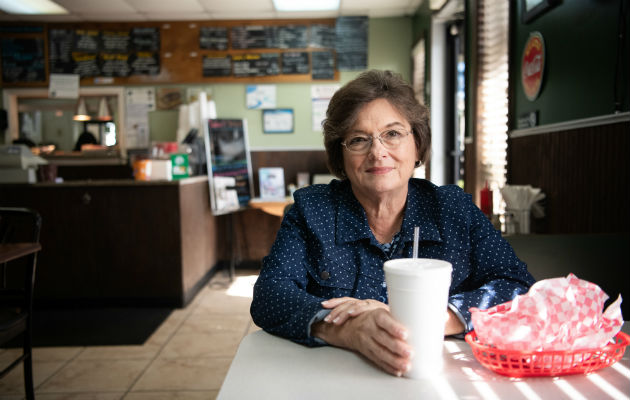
x: 181, y: 10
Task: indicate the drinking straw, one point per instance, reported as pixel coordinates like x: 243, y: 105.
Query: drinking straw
x: 416, y: 238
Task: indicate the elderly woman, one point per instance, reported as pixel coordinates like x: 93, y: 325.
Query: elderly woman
x: 323, y: 282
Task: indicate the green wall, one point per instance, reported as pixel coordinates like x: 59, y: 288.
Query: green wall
x: 581, y: 48
x: 389, y: 47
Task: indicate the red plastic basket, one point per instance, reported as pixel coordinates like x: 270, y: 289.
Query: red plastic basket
x: 547, y: 363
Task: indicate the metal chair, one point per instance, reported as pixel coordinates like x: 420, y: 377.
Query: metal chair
x: 19, y: 245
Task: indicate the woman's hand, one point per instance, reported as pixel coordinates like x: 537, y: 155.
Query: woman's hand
x: 347, y: 307
x: 375, y: 334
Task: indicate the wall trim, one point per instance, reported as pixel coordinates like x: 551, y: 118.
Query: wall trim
x: 574, y: 124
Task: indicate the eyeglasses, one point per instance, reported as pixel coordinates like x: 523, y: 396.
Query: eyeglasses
x: 361, y: 144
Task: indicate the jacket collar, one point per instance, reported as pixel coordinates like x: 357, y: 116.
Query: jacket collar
x: 420, y: 210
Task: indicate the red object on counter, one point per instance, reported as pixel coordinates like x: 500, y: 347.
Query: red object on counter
x: 547, y: 363
x: 486, y: 200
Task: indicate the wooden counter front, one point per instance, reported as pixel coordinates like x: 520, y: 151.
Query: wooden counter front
x: 120, y: 242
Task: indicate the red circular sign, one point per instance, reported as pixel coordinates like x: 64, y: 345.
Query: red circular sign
x: 533, y: 65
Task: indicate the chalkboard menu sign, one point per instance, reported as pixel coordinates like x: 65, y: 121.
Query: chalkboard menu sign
x: 23, y: 60
x: 60, y: 45
x: 213, y: 38
x: 111, y: 52
x: 145, y: 63
x: 323, y: 65
x: 85, y: 64
x: 86, y: 41
x: 117, y: 64
x: 145, y: 39
x: 217, y: 66
x: 252, y: 37
x: 322, y: 36
x: 115, y: 41
x: 351, y: 42
x: 291, y: 36
x: 295, y: 62
x: 263, y: 64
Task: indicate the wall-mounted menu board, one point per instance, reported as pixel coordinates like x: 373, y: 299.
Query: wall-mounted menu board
x: 295, y: 62
x: 351, y: 42
x: 130, y: 53
x: 214, y: 38
x: 109, y: 52
x: 323, y: 64
x: 23, y: 59
x: 261, y: 64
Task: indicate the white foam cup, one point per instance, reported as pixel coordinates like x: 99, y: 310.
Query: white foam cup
x: 418, y: 298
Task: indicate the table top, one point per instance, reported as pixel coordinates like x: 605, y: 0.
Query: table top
x: 11, y: 251
x: 269, y: 367
x: 273, y: 207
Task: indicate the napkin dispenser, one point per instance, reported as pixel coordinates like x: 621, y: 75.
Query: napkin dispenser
x: 18, y: 164
x: 521, y: 202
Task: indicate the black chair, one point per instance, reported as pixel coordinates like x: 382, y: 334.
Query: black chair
x: 19, y: 245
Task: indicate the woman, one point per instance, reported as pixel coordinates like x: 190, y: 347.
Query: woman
x: 323, y: 282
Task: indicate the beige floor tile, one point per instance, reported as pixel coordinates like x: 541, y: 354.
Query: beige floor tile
x: 143, y: 352
x: 219, y: 303
x: 184, y: 374
x: 200, y: 345
x: 80, y: 396
x: 13, y: 382
x: 204, y: 322
x: 55, y: 353
x: 168, y: 327
x: 182, y: 395
x: 95, y: 376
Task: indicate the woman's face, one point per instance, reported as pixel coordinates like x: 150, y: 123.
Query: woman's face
x: 380, y: 170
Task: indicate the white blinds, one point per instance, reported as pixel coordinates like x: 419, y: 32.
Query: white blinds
x: 492, y: 93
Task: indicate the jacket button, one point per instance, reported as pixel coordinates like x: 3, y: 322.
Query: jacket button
x: 324, y: 275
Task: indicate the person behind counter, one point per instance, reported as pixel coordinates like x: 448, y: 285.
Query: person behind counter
x: 86, y: 137
x: 323, y: 281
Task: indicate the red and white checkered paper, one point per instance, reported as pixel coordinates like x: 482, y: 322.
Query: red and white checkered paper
x: 556, y: 314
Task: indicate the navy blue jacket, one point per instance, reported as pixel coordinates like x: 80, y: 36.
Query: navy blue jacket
x: 325, y: 249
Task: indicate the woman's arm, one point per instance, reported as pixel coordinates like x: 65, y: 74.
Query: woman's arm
x: 495, y: 276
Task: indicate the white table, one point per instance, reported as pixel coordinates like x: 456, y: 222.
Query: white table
x: 269, y: 367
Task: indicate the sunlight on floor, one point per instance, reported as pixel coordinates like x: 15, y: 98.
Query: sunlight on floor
x: 243, y: 286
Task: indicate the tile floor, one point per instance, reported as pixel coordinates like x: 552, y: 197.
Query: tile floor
x: 187, y: 357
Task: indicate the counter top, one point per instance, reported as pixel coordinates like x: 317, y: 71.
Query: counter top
x: 116, y: 182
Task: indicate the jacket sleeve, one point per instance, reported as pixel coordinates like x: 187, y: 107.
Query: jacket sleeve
x: 281, y: 304
x: 496, y: 274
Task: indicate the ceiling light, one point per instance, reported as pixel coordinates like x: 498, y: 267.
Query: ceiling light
x: 82, y: 114
x: 103, y: 110
x: 306, y: 5
x: 31, y: 7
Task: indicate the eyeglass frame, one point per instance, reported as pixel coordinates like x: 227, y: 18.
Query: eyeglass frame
x: 380, y: 139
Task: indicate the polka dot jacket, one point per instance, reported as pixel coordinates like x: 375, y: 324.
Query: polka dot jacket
x: 325, y: 249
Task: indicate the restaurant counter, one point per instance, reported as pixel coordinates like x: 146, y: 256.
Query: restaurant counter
x: 121, y: 242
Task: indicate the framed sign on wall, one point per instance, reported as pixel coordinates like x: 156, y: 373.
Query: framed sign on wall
x: 278, y: 120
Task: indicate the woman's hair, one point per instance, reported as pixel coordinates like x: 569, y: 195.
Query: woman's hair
x: 369, y: 86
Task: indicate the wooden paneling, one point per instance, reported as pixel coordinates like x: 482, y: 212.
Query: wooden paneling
x: 311, y: 161
x: 584, y: 173
x: 121, y: 242
x: 254, y: 229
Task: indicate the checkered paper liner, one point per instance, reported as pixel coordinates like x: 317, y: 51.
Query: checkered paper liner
x: 558, y: 314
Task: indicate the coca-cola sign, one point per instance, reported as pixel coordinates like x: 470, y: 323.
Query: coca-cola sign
x: 533, y: 65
